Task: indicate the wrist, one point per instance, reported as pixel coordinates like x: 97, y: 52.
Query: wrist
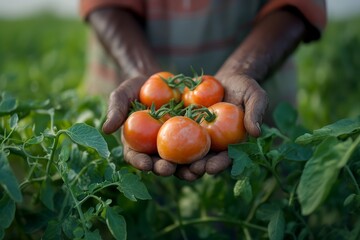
x: 234, y: 67
x: 271, y: 41
x: 122, y: 36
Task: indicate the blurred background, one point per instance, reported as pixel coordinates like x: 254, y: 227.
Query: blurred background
x: 43, y: 42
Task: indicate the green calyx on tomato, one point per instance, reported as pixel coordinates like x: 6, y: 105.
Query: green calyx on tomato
x: 181, y: 118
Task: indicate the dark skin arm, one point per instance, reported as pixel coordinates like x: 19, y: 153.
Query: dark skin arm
x: 267, y: 45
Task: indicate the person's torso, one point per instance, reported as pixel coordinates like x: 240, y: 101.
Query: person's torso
x: 200, y: 33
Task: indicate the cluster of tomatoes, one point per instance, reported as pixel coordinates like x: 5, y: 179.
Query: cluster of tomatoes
x: 182, y: 118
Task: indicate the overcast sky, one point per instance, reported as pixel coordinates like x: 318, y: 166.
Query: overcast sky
x: 68, y: 8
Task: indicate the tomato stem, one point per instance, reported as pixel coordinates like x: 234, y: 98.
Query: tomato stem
x: 203, y: 220
x: 136, y: 106
x: 174, y: 81
x: 206, y: 114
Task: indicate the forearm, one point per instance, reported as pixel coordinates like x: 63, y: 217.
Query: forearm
x: 268, y: 44
x: 124, y: 39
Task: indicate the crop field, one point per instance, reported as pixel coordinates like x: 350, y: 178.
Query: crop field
x: 61, y: 177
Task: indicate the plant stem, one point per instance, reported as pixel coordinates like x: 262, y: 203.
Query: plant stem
x: 82, y: 171
x: 95, y: 191
x: 28, y: 181
x: 61, y: 213
x: 278, y: 180
x: 77, y: 203
x: 346, y: 156
x: 301, y: 219
x: 180, y: 223
x: 53, y: 148
x: 348, y: 170
x: 270, y: 188
x: 176, y: 225
x: 246, y: 233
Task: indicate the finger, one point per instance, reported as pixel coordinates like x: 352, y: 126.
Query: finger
x: 117, y: 111
x: 198, y: 167
x: 218, y: 163
x: 138, y: 160
x: 183, y: 172
x: 119, y: 103
x: 255, y: 107
x: 163, y: 167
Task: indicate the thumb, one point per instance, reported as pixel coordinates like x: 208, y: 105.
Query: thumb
x: 255, y: 108
x: 119, y: 103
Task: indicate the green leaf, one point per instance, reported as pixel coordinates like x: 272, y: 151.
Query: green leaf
x: 78, y: 232
x: 266, y: 211
x: 7, y: 103
x: 35, y: 140
x: 131, y: 186
x: 69, y: 224
x: 47, y: 192
x: 304, y: 234
x: 285, y: 117
x: 88, y: 136
x: 240, y: 162
x: 116, y: 223
x: 14, y: 119
x: 276, y: 227
x: 65, y: 151
x: 53, y: 230
x: 342, y: 128
x: 241, y: 159
x: 349, y: 199
x: 274, y: 156
x: 2, y: 233
x: 8, y: 180
x: 117, y: 152
x: 355, y: 233
x: 320, y: 173
x: 243, y: 189
x: 295, y: 152
x: 7, y: 211
x: 352, y: 202
x: 95, y: 235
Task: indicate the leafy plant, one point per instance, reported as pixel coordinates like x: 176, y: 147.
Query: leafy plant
x: 63, y: 179
x: 328, y: 70
x: 65, y: 174
x: 60, y: 178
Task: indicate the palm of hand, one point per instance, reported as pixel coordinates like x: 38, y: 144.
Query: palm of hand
x: 239, y: 90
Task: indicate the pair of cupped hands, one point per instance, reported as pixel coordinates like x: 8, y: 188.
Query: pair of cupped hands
x: 240, y: 90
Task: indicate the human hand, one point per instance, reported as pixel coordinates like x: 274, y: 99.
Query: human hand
x: 245, y: 92
x: 118, y: 109
x: 211, y: 164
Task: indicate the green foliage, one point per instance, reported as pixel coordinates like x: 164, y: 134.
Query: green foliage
x: 328, y: 75
x: 66, y: 172
x: 75, y: 185
x: 61, y: 178
x: 41, y: 56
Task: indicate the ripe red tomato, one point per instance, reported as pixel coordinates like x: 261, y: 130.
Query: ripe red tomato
x: 182, y: 140
x: 156, y: 90
x: 227, y: 127
x: 207, y: 93
x: 140, y: 131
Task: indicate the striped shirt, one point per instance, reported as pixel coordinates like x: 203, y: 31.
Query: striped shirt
x: 203, y: 33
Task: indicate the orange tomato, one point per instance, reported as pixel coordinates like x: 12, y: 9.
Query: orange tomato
x: 140, y: 131
x: 182, y: 140
x: 207, y: 93
x: 156, y: 90
x: 227, y: 127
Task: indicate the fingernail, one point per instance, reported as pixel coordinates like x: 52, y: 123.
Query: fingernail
x: 258, y: 126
